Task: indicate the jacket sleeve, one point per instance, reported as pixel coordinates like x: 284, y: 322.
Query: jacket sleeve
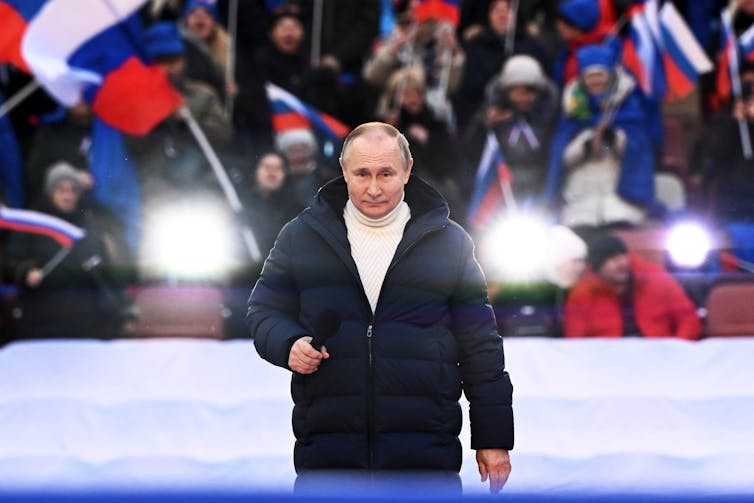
x: 274, y: 305
x: 574, y: 321
x: 380, y: 65
x: 486, y: 384
x: 687, y: 324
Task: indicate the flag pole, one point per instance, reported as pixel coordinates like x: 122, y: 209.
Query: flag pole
x: 230, y: 70
x: 55, y: 261
x: 510, y: 35
x: 735, y: 78
x: 316, y: 51
x: 222, y: 177
x: 17, y: 98
x: 505, y: 186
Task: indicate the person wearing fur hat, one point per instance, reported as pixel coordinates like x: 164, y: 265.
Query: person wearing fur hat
x: 486, y: 53
x: 624, y: 295
x: 521, y: 108
x: 80, y: 297
x: 601, y: 166
x: 301, y: 150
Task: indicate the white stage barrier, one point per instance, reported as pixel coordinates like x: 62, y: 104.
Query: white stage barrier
x: 591, y: 416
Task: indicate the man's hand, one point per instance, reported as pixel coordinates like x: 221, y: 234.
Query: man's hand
x: 34, y: 277
x: 303, y: 358
x: 495, y: 464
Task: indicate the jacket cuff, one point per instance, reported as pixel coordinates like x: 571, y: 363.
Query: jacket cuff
x: 491, y: 427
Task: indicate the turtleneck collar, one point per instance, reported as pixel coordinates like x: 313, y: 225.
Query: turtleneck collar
x: 394, y: 215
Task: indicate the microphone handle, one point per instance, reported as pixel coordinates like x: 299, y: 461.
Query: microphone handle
x: 317, y: 342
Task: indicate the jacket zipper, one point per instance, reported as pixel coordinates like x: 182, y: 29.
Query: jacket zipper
x: 370, y: 397
x: 371, y: 409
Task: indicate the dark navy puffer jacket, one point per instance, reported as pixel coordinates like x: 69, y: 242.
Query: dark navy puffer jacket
x: 387, y: 398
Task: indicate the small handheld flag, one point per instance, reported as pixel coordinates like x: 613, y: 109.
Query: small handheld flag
x: 289, y: 112
x: 35, y: 222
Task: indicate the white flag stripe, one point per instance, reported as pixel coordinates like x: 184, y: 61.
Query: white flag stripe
x: 747, y: 37
x: 58, y: 30
x: 278, y: 93
x: 487, y: 154
x: 31, y: 217
x: 684, y: 38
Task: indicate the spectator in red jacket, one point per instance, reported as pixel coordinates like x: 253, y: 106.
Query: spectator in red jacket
x: 625, y: 295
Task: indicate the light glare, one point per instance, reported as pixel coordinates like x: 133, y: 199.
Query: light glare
x: 688, y: 245
x: 515, y: 249
x: 189, y: 241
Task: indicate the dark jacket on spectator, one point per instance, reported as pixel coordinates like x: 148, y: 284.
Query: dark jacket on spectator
x: 388, y: 396
x: 485, y: 57
x: 348, y: 30
x: 726, y: 172
x: 79, y: 298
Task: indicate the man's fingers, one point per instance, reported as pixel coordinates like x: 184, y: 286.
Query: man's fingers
x: 483, y: 471
x: 496, y: 482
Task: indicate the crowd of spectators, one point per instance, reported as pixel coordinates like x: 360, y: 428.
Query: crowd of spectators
x: 582, y: 141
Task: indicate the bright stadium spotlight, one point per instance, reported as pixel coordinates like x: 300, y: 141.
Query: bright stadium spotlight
x: 515, y: 249
x: 688, y: 245
x: 189, y: 240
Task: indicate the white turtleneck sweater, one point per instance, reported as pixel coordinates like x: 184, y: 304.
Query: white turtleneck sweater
x: 373, y: 244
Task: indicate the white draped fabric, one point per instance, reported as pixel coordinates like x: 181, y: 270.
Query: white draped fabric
x: 627, y: 415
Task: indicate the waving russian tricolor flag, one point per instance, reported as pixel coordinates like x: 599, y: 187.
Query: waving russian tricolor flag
x: 727, y: 61
x: 89, y: 50
x: 36, y: 222
x: 444, y: 10
x: 289, y: 112
x: 14, y: 19
x: 746, y: 43
x: 641, y: 51
x: 489, y: 195
x: 683, y: 57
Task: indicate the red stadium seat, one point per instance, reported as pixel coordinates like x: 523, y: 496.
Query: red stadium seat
x: 729, y: 309
x: 179, y: 311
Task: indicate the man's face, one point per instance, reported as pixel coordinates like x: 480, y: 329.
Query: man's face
x: 375, y: 174
x: 270, y: 173
x: 616, y: 270
x: 201, y: 23
x: 65, y: 196
x: 596, y: 81
x: 299, y: 156
x: 287, y: 35
x: 499, y: 16
x: 522, y: 97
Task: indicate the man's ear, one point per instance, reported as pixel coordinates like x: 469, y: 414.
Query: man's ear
x: 408, y: 170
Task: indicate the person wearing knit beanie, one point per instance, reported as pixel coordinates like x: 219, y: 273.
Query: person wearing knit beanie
x: 61, y: 171
x: 210, y: 6
x: 626, y: 295
x: 603, y: 248
x: 581, y: 14
x: 594, y: 57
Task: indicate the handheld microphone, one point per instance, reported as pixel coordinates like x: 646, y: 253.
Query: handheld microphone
x: 325, y: 325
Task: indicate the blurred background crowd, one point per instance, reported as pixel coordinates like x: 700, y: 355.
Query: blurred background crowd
x: 527, y: 115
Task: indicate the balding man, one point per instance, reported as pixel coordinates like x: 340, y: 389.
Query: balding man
x: 414, y: 327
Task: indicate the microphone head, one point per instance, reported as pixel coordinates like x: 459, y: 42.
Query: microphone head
x: 325, y: 325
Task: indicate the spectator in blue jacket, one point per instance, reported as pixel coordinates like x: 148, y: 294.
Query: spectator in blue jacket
x: 601, y: 166
x: 377, y: 249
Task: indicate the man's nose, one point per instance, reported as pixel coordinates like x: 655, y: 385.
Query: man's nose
x: 373, y: 189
